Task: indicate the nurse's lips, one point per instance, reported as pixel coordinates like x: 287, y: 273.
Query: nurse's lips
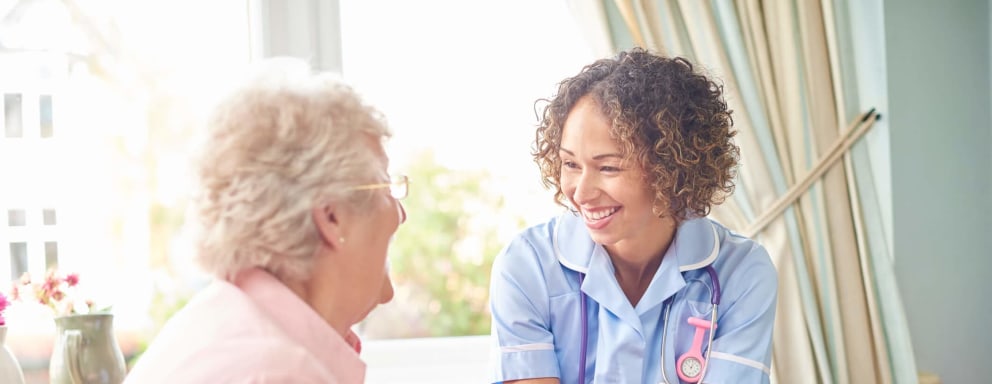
x: 597, y: 218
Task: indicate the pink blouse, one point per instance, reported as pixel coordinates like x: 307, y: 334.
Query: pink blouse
x: 253, y: 331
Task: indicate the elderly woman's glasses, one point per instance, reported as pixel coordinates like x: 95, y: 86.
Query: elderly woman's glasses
x: 399, y: 186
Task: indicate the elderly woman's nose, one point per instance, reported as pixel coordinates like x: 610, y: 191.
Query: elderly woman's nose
x: 402, y: 211
x: 386, y: 295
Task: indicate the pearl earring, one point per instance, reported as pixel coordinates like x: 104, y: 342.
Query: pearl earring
x: 341, y: 239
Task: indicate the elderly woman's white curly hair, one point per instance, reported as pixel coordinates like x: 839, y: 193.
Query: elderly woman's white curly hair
x: 281, y: 144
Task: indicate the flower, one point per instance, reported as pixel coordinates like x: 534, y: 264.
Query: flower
x: 55, y: 291
x: 72, y: 279
x: 4, y: 303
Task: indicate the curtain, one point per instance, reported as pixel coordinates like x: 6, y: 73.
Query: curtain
x: 807, y: 188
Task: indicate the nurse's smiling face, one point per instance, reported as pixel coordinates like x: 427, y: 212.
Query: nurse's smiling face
x: 608, y: 191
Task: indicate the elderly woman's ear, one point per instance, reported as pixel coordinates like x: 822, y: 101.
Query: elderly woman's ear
x: 327, y: 218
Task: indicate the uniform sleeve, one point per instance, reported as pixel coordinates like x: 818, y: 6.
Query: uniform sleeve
x: 523, y: 343
x: 743, y: 345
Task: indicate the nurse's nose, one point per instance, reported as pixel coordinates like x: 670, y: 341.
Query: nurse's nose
x: 586, y: 189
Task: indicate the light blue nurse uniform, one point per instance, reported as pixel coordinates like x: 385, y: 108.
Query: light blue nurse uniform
x: 534, y: 298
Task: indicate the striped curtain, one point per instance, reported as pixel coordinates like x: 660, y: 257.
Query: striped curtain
x: 811, y: 188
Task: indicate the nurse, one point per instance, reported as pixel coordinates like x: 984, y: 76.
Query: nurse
x: 633, y: 283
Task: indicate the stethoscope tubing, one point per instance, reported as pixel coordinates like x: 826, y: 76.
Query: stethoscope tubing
x: 585, y: 331
x: 715, y: 296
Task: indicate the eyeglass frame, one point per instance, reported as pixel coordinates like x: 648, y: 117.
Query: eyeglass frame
x: 401, y: 181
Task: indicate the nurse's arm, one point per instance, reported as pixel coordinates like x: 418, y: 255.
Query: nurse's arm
x: 521, y: 312
x: 543, y: 380
x: 742, y: 349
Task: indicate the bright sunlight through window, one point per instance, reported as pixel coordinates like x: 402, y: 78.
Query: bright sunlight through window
x: 458, y: 83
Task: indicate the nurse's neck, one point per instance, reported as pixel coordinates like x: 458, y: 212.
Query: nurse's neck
x: 637, y: 259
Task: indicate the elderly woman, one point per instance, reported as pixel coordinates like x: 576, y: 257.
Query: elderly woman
x: 297, y: 211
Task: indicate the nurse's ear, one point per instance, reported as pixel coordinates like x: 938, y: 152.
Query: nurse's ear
x: 328, y: 219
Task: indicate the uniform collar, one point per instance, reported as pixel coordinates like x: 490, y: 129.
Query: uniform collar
x: 695, y: 246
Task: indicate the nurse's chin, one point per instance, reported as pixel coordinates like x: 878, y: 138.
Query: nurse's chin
x: 602, y: 238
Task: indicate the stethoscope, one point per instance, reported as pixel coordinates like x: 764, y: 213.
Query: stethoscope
x: 691, y: 366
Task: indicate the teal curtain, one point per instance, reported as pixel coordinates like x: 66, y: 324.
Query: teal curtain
x: 799, y: 75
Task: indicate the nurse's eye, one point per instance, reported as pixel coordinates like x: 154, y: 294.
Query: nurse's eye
x: 609, y: 169
x: 570, y: 164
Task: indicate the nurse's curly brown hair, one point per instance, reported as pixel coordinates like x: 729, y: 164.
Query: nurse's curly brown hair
x: 669, y: 119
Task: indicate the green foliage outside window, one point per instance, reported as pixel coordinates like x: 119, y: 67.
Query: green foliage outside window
x: 442, y: 256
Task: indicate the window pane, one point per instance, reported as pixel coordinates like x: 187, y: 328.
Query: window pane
x: 48, y: 216
x: 45, y: 111
x: 18, y: 260
x: 12, y: 116
x: 51, y: 254
x: 486, y: 45
x: 16, y: 218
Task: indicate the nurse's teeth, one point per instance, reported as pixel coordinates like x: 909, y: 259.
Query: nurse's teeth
x: 600, y: 214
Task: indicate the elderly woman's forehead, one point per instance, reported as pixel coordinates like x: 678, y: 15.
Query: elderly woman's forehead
x: 375, y: 144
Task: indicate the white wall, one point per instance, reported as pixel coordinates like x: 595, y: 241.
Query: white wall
x: 938, y: 56
x: 436, y: 360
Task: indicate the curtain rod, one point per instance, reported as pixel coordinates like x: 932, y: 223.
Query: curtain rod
x: 854, y: 132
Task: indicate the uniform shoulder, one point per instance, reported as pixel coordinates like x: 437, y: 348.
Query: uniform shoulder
x: 535, y: 239
x: 740, y: 249
x: 529, y: 254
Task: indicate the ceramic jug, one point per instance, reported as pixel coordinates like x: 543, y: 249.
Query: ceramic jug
x: 86, y: 351
x: 10, y: 370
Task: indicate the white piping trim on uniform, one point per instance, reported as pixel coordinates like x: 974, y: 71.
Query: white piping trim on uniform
x: 554, y: 244
x: 709, y: 259
x: 740, y: 360
x: 528, y: 347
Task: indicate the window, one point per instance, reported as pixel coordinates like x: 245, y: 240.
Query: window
x: 107, y: 203
x: 18, y: 259
x: 31, y: 242
x: 13, y: 124
x: 51, y: 254
x: 457, y: 82
x: 16, y: 218
x: 45, y: 116
x: 48, y: 217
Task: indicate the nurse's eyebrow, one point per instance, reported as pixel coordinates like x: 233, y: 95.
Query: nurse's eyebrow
x: 597, y: 157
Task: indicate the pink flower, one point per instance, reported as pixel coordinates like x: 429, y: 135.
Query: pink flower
x: 50, y: 287
x: 72, y: 279
x: 3, y: 305
x: 55, y: 291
